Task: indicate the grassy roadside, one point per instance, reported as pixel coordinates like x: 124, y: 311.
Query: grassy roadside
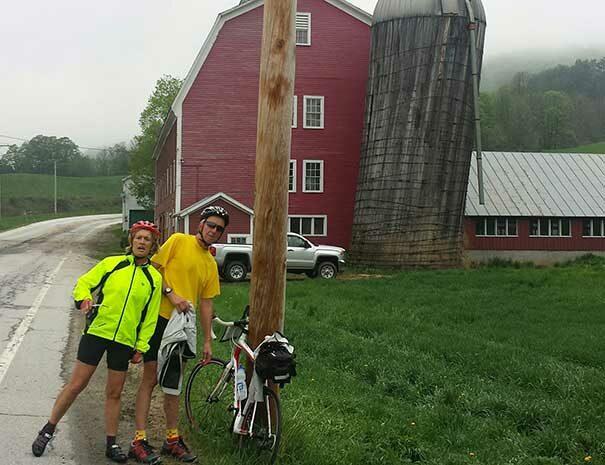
x: 28, y: 198
x: 489, y: 366
x: 105, y: 243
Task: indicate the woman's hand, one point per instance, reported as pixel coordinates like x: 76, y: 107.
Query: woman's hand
x: 86, y: 306
x: 137, y: 357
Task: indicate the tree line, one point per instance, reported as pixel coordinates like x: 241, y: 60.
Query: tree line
x: 554, y: 109
x: 40, y: 154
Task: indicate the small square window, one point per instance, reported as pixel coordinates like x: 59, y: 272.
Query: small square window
x: 303, y: 28
x: 292, y: 176
x: 565, y: 229
x: 491, y: 227
x: 313, y: 112
x: 313, y: 176
x: 501, y: 227
x: 480, y: 227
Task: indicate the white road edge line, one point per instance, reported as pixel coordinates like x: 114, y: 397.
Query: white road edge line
x: 15, y: 342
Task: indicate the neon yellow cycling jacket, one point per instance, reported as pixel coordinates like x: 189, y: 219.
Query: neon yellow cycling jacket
x: 129, y: 300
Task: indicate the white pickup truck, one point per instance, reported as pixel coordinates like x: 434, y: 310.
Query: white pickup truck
x: 235, y: 260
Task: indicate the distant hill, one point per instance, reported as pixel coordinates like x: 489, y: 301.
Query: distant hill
x: 499, y: 69
x: 30, y: 194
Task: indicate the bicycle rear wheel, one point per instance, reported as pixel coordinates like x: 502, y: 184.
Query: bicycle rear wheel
x: 209, y: 398
x: 266, y: 429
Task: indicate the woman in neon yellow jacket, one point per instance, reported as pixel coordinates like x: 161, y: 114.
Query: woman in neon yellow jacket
x: 121, y: 322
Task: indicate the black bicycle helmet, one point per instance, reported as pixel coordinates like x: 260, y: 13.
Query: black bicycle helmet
x: 215, y: 210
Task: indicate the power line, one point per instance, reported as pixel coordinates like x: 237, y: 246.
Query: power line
x: 26, y: 140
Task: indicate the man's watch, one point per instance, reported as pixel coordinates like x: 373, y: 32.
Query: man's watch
x: 167, y: 291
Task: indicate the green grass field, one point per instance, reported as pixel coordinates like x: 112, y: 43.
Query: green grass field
x: 489, y: 366
x: 27, y: 198
x: 591, y: 148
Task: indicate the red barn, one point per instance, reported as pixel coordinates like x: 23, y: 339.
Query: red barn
x: 539, y: 207
x: 206, y: 150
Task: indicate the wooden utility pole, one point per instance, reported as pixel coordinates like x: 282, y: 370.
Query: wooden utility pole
x: 274, y: 132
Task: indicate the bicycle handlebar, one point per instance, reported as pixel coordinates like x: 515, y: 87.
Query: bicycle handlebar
x: 240, y: 323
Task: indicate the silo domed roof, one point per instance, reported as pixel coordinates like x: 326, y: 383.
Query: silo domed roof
x: 391, y: 9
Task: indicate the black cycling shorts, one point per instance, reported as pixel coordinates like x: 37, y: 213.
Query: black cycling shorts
x: 154, y: 343
x: 92, y: 348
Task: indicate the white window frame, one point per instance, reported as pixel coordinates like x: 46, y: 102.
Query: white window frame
x: 592, y: 228
x: 321, y: 176
x: 294, y: 112
x: 293, y: 164
x: 325, y: 218
x: 248, y: 237
x: 550, y: 221
x: 321, y: 117
x: 308, y: 20
x: 495, y: 219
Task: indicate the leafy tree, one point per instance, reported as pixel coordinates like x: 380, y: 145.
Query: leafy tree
x: 112, y: 161
x: 557, y: 131
x: 8, y: 161
x: 40, y: 154
x: 141, y: 164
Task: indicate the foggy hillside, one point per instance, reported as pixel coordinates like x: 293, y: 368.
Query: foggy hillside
x: 499, y: 69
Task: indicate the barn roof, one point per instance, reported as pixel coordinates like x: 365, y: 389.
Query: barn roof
x: 234, y: 12
x: 538, y: 184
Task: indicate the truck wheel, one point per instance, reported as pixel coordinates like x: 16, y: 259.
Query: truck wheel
x: 327, y: 270
x: 235, y: 271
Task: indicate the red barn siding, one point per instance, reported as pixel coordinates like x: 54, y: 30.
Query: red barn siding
x: 220, y: 110
x: 524, y: 242
x: 165, y: 184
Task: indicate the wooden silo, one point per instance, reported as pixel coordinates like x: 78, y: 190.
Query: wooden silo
x: 418, y: 134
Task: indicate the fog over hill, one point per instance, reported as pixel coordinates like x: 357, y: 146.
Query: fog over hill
x: 499, y: 69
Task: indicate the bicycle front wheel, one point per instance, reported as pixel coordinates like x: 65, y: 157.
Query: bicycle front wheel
x: 209, y: 398
x: 264, y: 430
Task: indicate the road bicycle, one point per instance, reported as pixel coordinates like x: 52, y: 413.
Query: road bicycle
x: 213, y: 404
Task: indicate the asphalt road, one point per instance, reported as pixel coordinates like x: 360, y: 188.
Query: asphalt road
x: 39, y: 265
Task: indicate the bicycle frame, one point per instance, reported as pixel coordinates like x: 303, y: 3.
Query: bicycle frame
x: 239, y: 345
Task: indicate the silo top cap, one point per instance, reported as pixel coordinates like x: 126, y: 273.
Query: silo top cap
x: 392, y: 9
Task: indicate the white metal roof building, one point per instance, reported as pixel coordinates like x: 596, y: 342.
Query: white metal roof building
x: 519, y: 184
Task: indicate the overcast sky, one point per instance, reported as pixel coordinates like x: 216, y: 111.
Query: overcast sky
x: 85, y: 69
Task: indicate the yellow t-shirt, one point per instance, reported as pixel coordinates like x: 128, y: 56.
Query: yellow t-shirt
x: 189, y: 269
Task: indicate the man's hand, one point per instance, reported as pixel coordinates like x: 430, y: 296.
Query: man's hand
x: 86, y: 306
x: 207, y: 351
x: 179, y: 303
x: 136, y: 357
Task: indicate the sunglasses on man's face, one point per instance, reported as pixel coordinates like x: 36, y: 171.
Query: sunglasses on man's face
x: 213, y: 225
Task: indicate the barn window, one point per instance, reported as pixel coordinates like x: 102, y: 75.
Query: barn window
x: 238, y: 238
x: 550, y: 227
x: 303, y: 28
x: 496, y: 226
x: 292, y: 177
x: 593, y: 227
x: 294, y: 108
x: 313, y: 112
x: 313, y: 176
x: 308, y: 225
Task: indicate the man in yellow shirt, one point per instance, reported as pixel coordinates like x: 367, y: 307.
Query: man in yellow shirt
x: 190, y: 276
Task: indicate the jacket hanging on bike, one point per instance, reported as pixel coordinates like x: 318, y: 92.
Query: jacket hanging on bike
x: 128, y: 299
x: 178, y: 343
